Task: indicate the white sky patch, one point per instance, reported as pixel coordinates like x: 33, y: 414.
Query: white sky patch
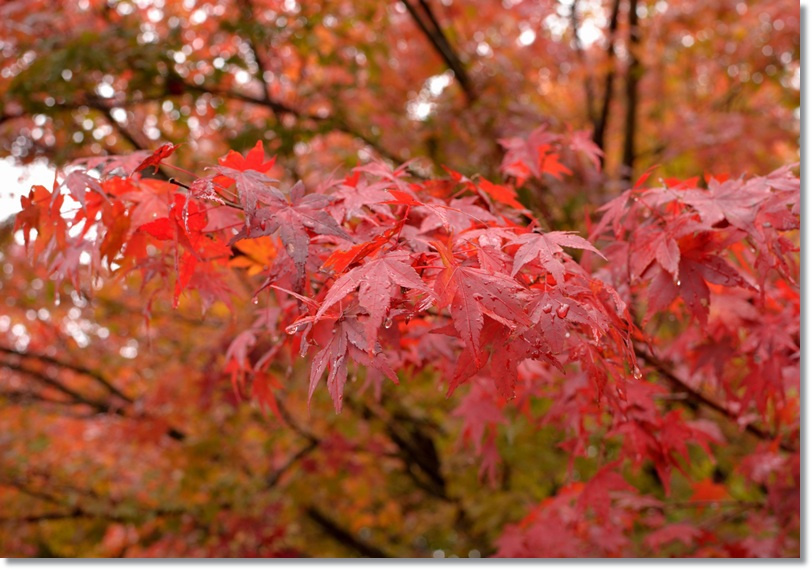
x: 423, y: 105
x: 592, y: 19
x: 105, y: 90
x: 438, y: 83
x: 527, y: 37
x: 16, y: 181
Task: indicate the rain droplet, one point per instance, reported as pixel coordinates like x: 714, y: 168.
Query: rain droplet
x: 678, y: 283
x: 621, y: 394
x: 255, y: 300
x: 562, y: 310
x: 637, y: 374
x: 567, y: 334
x: 547, y: 308
x: 387, y: 323
x: 293, y: 329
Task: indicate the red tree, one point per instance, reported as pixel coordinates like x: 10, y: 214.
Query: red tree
x: 539, y: 338
x: 692, y: 297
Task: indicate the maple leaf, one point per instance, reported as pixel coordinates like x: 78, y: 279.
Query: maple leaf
x: 377, y: 282
x: 77, y: 183
x: 479, y: 411
x: 685, y: 533
x: 343, y: 339
x: 706, y: 491
x: 253, y: 187
x: 473, y: 293
x: 544, y: 247
x: 254, y: 160
x: 355, y: 195
x: 581, y: 142
x: 525, y: 157
x: 596, y: 492
x: 204, y: 189
x: 731, y: 200
x: 154, y: 160
x: 293, y: 217
x: 340, y: 260
x: 549, y: 163
x: 502, y: 194
x: 117, y: 221
x: 407, y: 199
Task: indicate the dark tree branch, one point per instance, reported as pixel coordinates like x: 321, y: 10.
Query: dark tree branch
x: 249, y: 16
x: 78, y: 398
x: 427, y: 22
x: 589, y: 89
x: 288, y: 419
x: 78, y: 369
x: 280, y: 109
x: 633, y: 75
x: 343, y: 536
x: 599, y: 134
x: 696, y: 396
x: 23, y: 397
x: 274, y: 477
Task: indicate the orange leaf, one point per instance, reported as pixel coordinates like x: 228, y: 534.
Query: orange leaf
x: 503, y: 194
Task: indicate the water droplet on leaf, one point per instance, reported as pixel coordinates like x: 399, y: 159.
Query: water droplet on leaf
x: 547, y: 308
x: 562, y: 310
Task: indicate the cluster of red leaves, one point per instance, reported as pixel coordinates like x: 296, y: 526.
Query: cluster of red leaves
x: 377, y: 274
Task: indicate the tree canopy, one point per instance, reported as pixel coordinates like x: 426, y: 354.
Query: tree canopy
x: 416, y: 278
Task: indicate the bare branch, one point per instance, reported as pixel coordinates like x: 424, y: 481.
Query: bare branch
x: 77, y: 368
x: 589, y: 88
x: 274, y: 477
x: 427, y: 22
x: 78, y: 398
x: 665, y: 371
x: 343, y: 536
x: 633, y: 74
x: 599, y: 134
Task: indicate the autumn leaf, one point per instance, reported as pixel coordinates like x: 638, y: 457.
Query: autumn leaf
x: 377, y: 281
x: 547, y: 249
x: 155, y: 159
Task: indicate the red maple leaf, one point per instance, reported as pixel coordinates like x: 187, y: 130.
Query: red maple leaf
x: 253, y: 160
x: 473, y: 293
x: 546, y: 247
x: 154, y: 160
x: 293, y: 216
x: 378, y: 281
x: 343, y: 339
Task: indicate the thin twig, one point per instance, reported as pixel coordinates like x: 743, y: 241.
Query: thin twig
x: 428, y: 24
